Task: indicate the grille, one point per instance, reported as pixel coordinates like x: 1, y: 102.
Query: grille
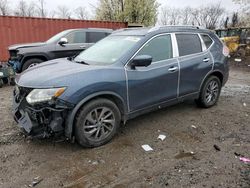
x: 13, y: 53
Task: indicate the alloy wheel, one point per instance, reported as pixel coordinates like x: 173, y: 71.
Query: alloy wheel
x: 99, y: 123
x: 212, y: 92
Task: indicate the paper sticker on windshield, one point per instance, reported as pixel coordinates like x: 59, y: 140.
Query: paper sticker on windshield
x: 133, y: 39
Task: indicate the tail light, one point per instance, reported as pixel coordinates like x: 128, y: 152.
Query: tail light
x: 225, y: 50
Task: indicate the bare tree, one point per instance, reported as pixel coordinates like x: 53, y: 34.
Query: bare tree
x: 170, y: 16
x: 52, y: 14
x: 41, y: 8
x: 31, y: 10
x: 187, y: 18
x: 211, y: 15
x: 4, y: 7
x: 63, y: 12
x: 208, y: 16
x: 226, y: 22
x: 81, y: 13
x: 235, y: 20
x: 25, y: 9
x: 21, y: 8
x: 244, y: 13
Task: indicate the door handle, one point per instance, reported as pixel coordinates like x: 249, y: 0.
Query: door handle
x: 172, y: 69
x: 82, y: 46
x: 206, y: 60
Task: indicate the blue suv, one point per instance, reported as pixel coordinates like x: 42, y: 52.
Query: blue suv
x: 129, y: 73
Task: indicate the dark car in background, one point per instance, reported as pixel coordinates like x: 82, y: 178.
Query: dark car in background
x: 129, y: 73
x: 65, y: 44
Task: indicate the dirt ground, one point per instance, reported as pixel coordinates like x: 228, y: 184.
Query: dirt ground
x: 186, y: 158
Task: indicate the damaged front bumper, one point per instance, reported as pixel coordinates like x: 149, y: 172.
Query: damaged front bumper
x: 42, y: 120
x: 15, y: 64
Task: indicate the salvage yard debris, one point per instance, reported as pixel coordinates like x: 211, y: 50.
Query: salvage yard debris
x: 193, y: 126
x: 36, y: 181
x: 245, y: 160
x: 162, y: 137
x: 147, y: 147
x: 217, y: 148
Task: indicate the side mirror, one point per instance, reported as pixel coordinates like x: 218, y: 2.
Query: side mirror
x: 63, y: 41
x: 141, y: 61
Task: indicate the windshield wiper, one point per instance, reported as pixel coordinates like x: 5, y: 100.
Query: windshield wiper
x: 82, y: 62
x: 71, y: 58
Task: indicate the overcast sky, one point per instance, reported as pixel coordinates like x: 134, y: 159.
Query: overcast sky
x: 73, y: 4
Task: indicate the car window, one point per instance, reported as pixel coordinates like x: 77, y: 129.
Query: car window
x: 93, y: 37
x: 188, y: 44
x: 76, y: 37
x: 57, y: 37
x: 207, y: 40
x: 159, y: 48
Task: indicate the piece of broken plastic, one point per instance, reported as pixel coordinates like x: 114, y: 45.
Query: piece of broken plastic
x: 147, y: 147
x: 237, y: 60
x: 193, y: 126
x: 244, y: 159
x: 162, y: 137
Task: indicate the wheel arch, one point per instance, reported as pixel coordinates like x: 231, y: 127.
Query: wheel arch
x: 117, y: 99
x: 34, y: 56
x: 216, y: 73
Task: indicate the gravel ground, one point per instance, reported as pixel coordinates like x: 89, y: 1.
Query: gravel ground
x: 186, y: 158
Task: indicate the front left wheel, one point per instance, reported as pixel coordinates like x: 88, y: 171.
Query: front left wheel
x: 97, y: 122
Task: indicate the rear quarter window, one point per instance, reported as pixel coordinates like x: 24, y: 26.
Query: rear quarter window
x: 188, y: 44
x: 207, y: 40
x: 93, y: 37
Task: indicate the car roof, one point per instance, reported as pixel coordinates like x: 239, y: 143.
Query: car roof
x: 159, y: 29
x: 92, y: 29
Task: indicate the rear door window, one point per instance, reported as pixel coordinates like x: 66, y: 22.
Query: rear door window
x: 207, y: 40
x: 93, y: 37
x: 159, y: 48
x: 76, y: 37
x: 188, y: 44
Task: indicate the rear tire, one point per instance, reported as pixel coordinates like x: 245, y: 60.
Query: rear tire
x: 31, y: 62
x: 97, y: 122
x: 12, y: 82
x: 210, y: 92
x: 1, y: 83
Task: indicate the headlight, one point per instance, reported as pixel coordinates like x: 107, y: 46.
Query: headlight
x: 43, y: 95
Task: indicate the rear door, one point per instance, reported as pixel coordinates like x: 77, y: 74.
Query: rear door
x: 195, y: 62
x: 76, y: 44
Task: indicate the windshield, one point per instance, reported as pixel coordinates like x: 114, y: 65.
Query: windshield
x: 108, y: 50
x: 57, y: 37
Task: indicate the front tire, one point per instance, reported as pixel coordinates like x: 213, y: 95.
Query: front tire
x: 97, y: 122
x: 1, y: 83
x: 210, y: 92
x: 31, y: 63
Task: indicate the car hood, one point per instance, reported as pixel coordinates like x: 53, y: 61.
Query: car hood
x: 27, y: 45
x: 55, y: 73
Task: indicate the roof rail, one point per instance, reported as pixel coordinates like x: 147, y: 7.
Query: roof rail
x: 126, y: 29
x: 175, y: 26
x: 99, y: 28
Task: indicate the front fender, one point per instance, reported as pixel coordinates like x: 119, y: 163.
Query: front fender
x: 29, y: 55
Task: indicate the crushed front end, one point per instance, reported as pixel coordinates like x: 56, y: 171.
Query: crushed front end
x: 15, y: 60
x: 39, y: 119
